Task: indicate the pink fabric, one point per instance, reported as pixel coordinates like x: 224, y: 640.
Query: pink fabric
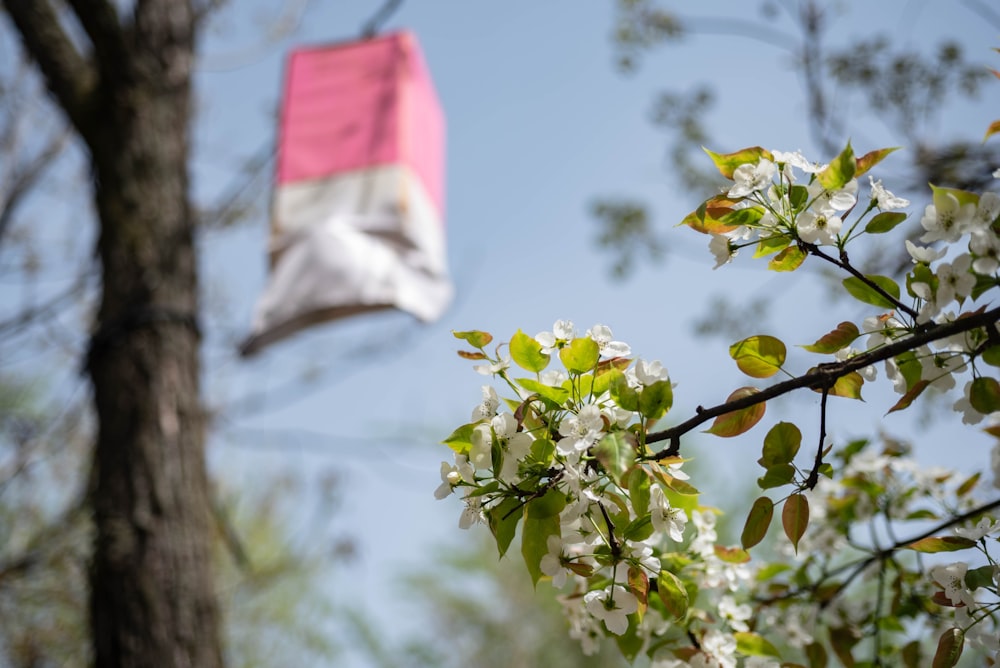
x: 359, y: 105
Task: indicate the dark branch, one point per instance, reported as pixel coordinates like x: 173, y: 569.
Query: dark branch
x: 102, y: 24
x: 845, y: 264
x: 376, y: 22
x: 25, y: 179
x: 825, y: 375
x: 69, y: 76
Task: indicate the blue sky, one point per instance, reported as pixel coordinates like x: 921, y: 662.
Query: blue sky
x: 539, y: 124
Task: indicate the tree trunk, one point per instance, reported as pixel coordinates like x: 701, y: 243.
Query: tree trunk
x: 152, y: 601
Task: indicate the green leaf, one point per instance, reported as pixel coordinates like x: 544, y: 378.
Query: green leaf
x: 581, y: 355
x: 840, y: 170
x: 795, y: 518
x: 639, y: 529
x: 773, y: 244
x: 992, y: 356
x: 557, y: 395
x: 771, y: 571
x: 789, y: 259
x: 758, y: 521
x: 984, y: 395
x: 673, y: 594
x: 798, y: 196
x: 638, y: 490
x: 502, y: 519
x: 728, y: 162
x: 460, y: 440
x: 603, y: 373
x: 759, y: 356
x: 527, y: 353
x: 949, y: 649
x: 475, y: 338
x: 549, y: 504
x: 616, y: 452
x: 621, y: 393
x: 867, y: 294
x: 838, y: 339
x: 780, y: 445
x: 656, y: 399
x: 884, y: 222
x: 843, y: 640
x: 534, y: 536
x: 942, y: 544
x: 816, y: 655
x: 777, y: 476
x: 979, y: 577
x: 741, y: 421
x: 872, y: 158
x: 752, y: 644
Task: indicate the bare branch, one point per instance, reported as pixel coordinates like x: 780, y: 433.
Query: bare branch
x: 373, y: 24
x: 69, y: 76
x: 25, y: 178
x: 102, y: 24
x: 825, y: 375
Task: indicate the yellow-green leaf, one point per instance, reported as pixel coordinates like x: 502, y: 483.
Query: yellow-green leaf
x: 728, y: 162
x: 580, y: 355
x: 968, y: 485
x: 527, y: 352
x: 911, y: 394
x: 795, y: 518
x: 738, y: 422
x: 840, y: 170
x: 475, y: 338
x: 638, y: 584
x: 731, y: 555
x: 759, y: 356
x: 848, y: 386
x: 872, y: 158
x: 789, y: 259
x: 838, y: 339
x: 866, y: 293
x: 673, y: 594
x: 752, y: 644
x: 772, y: 244
x: 942, y: 544
x: 616, y: 452
x: 707, y: 217
x: 949, y: 649
x: 758, y: 521
x: 963, y: 196
x: 992, y: 130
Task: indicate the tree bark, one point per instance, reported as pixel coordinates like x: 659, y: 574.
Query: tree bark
x: 152, y: 601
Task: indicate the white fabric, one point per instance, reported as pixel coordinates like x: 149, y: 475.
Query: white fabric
x: 346, y: 245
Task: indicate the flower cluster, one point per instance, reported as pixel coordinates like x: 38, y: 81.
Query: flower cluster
x: 566, y: 457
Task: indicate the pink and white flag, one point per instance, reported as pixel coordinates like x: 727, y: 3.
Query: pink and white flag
x: 358, y: 211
